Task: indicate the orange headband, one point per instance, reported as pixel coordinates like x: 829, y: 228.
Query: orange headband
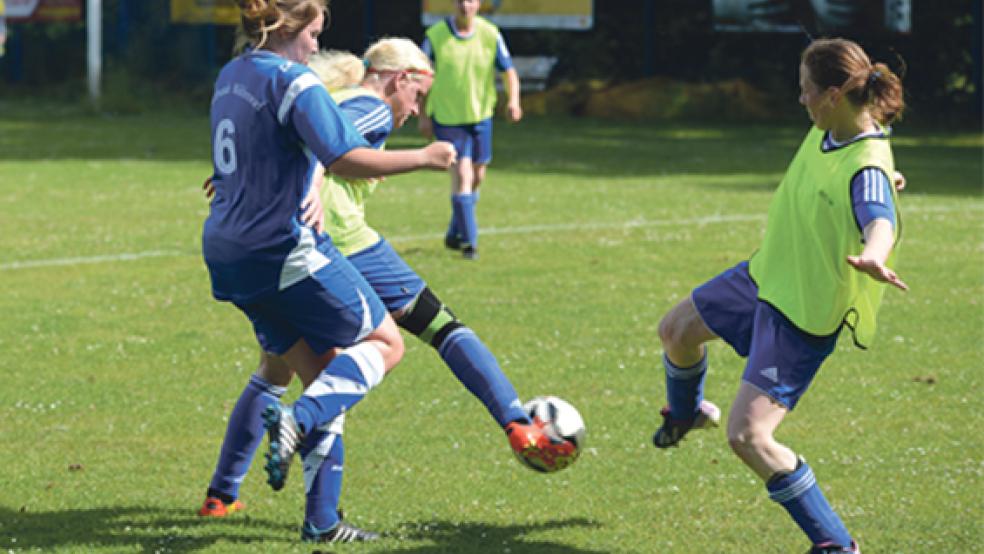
x: 426, y: 72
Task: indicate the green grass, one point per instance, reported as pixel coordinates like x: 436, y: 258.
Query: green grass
x: 118, y: 373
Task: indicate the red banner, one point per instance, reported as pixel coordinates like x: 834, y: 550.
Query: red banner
x: 43, y: 10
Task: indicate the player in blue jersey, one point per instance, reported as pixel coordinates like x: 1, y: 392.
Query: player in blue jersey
x: 467, y: 50
x: 823, y: 265
x: 272, y: 124
x: 378, y: 93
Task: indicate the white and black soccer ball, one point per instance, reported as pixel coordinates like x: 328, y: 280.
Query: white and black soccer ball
x: 563, y: 425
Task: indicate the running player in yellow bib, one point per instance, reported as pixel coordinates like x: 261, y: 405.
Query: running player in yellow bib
x: 467, y: 50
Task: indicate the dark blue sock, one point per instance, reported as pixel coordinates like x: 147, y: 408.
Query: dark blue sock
x: 799, y: 493
x: 685, y: 388
x: 323, y: 480
x: 477, y: 369
x: 243, y: 435
x: 340, y: 386
x: 468, y: 223
x: 455, y: 223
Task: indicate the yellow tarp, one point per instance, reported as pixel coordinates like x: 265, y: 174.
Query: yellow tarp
x: 219, y: 12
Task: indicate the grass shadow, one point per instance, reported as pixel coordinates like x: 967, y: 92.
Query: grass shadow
x: 132, y: 527
x: 478, y: 537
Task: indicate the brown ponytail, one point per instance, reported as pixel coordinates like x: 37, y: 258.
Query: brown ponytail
x: 843, y: 64
x: 260, y: 18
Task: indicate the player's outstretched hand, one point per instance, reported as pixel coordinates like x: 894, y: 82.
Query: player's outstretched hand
x: 899, y: 181
x: 439, y: 155
x: 877, y: 270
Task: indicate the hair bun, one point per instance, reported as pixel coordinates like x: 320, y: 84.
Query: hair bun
x: 252, y: 6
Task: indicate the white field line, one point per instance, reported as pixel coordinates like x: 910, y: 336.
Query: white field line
x: 519, y: 230
x: 126, y: 257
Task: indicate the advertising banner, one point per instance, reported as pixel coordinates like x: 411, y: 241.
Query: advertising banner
x: 814, y: 16
x: 218, y: 12
x: 522, y: 14
x: 43, y: 10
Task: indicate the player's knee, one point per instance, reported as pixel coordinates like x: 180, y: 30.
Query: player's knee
x: 394, y: 352
x: 678, y: 329
x: 479, y: 176
x: 746, y: 442
x: 672, y: 330
x: 429, y: 319
x: 274, y: 370
x: 389, y: 343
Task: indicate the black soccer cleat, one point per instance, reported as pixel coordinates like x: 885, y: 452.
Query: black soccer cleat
x: 452, y: 242
x: 831, y: 548
x: 673, y: 430
x: 341, y: 532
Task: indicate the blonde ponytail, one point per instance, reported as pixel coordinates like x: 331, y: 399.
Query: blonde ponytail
x: 338, y: 69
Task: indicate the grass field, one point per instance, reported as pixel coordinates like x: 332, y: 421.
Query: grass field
x: 119, y: 370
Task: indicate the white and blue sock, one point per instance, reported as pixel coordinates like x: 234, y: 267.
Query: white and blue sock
x: 477, y: 369
x: 243, y: 435
x: 344, y: 382
x: 323, y: 468
x: 685, y: 388
x: 800, y: 495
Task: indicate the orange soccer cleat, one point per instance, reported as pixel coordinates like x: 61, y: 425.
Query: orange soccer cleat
x: 215, y: 507
x: 537, y: 449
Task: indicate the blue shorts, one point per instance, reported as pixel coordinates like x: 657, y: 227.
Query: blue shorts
x: 392, y: 279
x: 782, y: 359
x: 334, y: 307
x: 471, y: 141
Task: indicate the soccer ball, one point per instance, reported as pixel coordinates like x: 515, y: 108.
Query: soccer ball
x: 562, y: 425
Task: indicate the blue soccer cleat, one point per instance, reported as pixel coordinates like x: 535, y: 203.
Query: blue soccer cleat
x: 673, y: 430
x: 285, y: 439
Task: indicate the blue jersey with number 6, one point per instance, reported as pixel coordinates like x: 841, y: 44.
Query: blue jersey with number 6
x: 272, y: 121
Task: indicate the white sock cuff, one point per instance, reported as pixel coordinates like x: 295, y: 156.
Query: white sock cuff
x: 370, y: 362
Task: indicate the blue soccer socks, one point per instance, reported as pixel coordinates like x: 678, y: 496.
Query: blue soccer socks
x: 452, y: 238
x: 463, y: 208
x: 323, y: 464
x: 344, y: 382
x: 243, y: 435
x: 685, y: 388
x: 477, y: 369
x: 800, y: 495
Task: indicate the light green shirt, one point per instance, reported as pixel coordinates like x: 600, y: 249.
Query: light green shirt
x: 801, y: 267
x: 344, y: 201
x: 464, y: 73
